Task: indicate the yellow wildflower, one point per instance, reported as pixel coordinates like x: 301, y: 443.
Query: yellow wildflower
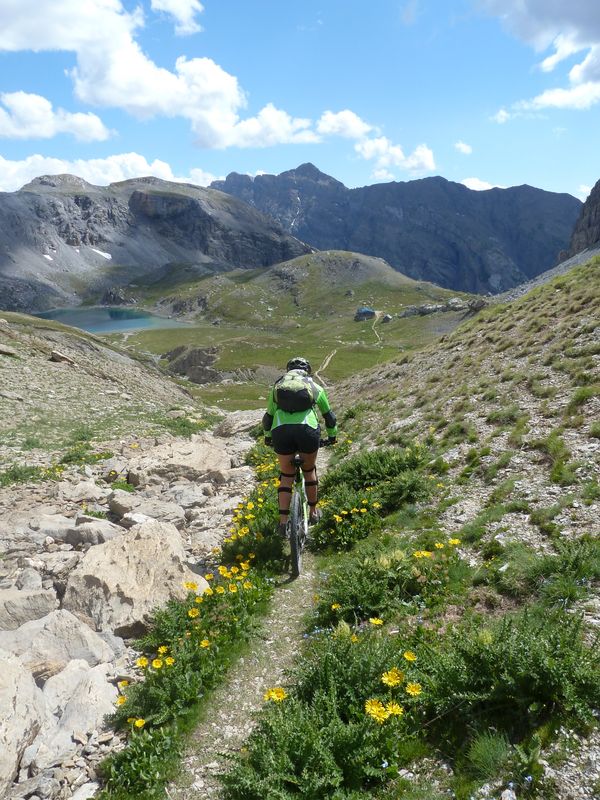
x: 122, y: 684
x: 163, y: 649
x: 392, y: 677
x: 337, y: 518
x: 376, y: 504
x: 209, y: 576
x: 363, y: 510
x: 277, y: 694
x: 394, y: 709
x: 142, y: 662
x: 232, y: 588
x: 121, y: 700
x: 204, y: 643
x: 208, y: 591
x: 344, y: 513
x: 191, y: 586
x: 247, y: 585
x: 250, y: 506
x: 354, y: 638
x: 376, y: 710
x: 193, y: 612
x: 199, y: 600
x: 245, y: 565
x: 414, y: 689
x: 157, y: 663
x: 139, y: 723
x: 409, y: 655
x: 454, y: 542
x: 335, y: 606
x: 220, y: 590
x: 222, y: 570
x: 375, y: 621
x: 439, y: 545
x: 169, y: 661
x: 234, y: 570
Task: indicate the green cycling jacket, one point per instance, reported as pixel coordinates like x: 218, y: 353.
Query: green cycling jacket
x: 276, y: 416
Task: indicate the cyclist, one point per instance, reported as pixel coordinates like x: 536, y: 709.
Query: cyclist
x: 291, y: 426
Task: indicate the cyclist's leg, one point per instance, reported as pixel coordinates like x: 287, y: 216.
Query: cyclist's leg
x: 309, y: 441
x: 311, y: 482
x: 284, y: 446
x: 284, y: 491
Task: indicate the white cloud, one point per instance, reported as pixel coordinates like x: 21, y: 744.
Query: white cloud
x: 566, y: 28
x: 478, y: 185
x: 463, y: 147
x: 583, y: 191
x: 421, y: 159
x: 269, y: 127
x: 31, y: 116
x: 382, y: 175
x: 184, y: 12
x: 343, y: 123
x: 501, y: 116
x: 99, y: 171
x: 385, y: 154
x: 579, y: 98
x: 113, y: 71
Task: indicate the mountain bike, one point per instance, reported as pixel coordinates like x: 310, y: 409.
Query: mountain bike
x: 297, y: 524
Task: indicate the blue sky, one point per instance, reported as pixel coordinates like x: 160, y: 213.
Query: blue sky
x: 487, y: 92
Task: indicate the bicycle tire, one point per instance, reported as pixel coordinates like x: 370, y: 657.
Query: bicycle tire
x: 297, y: 533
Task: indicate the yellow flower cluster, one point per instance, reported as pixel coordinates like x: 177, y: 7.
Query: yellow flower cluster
x: 276, y: 694
x: 393, y: 677
x: 380, y: 712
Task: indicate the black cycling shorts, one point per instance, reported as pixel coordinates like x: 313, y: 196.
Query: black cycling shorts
x: 290, y: 439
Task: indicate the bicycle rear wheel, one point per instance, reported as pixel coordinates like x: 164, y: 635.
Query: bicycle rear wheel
x: 298, y: 532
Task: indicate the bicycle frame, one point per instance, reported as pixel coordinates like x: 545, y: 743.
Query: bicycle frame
x: 298, y: 517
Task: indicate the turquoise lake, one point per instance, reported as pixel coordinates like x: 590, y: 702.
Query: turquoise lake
x: 109, y: 319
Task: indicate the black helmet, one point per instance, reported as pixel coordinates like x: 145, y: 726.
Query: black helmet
x: 299, y: 363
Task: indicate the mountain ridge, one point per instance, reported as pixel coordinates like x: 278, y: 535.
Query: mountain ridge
x: 430, y: 229
x: 65, y: 241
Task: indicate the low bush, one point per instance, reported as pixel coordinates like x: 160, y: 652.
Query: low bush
x: 371, y: 467
x: 388, y: 576
x: 348, y: 517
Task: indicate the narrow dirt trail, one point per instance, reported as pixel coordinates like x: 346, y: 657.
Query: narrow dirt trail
x: 234, y: 704
x: 378, y: 314
x: 325, y: 364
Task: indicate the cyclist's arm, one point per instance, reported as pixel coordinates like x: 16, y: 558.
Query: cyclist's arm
x: 328, y: 415
x: 267, y: 420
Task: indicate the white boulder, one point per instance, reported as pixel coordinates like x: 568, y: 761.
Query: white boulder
x: 21, y: 716
x: 120, y: 583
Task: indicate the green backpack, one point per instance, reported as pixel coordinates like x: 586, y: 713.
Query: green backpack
x: 294, y: 392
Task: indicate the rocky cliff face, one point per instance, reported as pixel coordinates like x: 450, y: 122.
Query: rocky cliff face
x: 63, y: 240
x: 587, y: 229
x: 430, y: 229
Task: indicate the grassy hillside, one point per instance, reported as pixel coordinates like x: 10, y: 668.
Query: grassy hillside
x: 302, y: 306
x: 453, y: 643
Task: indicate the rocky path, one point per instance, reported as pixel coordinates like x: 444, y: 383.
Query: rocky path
x: 82, y: 566
x: 234, y: 704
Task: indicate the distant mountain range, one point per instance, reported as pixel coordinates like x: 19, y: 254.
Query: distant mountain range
x: 64, y: 241
x: 430, y: 229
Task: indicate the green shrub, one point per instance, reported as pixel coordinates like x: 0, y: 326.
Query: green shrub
x: 387, y: 576
x: 510, y: 673
x: 488, y: 755
x: 504, y: 416
x: 321, y: 743
x: 348, y: 517
x: 371, y: 467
